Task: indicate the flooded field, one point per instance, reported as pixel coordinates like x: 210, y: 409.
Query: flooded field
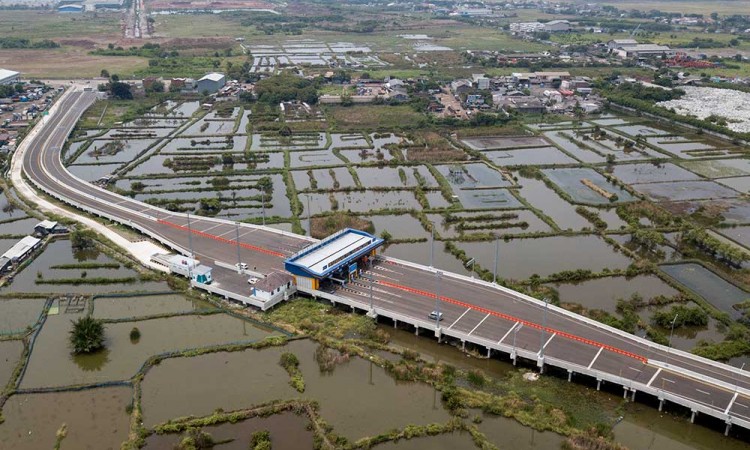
x: 521, y: 258
x: 577, y: 183
x: 382, y: 402
x: 717, y: 291
x: 529, y: 157
x: 603, y: 293
x: 288, y: 432
x: 143, y: 306
x: 10, y: 355
x: 685, y: 190
x: 122, y: 356
x: 403, y: 226
x: 17, y: 314
x: 503, y: 142
x: 555, y: 207
x: 652, y: 173
x: 40, y: 276
x: 361, y: 202
x: 419, y: 252
x: 96, y: 419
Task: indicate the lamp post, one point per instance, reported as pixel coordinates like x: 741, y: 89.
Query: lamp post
x: 438, y: 274
x: 432, y: 243
x: 544, y: 330
x: 239, y: 258
x: 666, y: 360
x: 263, y: 205
x: 190, y: 237
x: 497, y: 251
x: 736, y: 378
x: 309, y: 215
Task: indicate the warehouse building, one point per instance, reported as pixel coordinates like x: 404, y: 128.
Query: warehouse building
x: 70, y: 8
x: 9, y: 77
x: 21, y: 249
x: 211, y: 83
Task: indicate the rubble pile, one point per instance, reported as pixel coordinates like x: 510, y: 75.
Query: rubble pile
x: 702, y: 102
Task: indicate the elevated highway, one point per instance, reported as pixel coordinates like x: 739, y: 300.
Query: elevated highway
x: 477, y: 312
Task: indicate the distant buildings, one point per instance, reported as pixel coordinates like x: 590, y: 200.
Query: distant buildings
x: 211, y: 83
x: 553, y: 26
x: 631, y: 49
x: 70, y: 8
x: 9, y: 76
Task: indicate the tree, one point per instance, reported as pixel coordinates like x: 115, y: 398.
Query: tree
x: 82, y: 239
x: 120, y: 90
x: 157, y: 86
x: 87, y: 335
x: 105, y: 72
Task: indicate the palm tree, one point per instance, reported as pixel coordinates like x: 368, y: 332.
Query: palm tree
x: 87, y: 335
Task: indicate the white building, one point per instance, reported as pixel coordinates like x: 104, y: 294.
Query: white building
x: 526, y: 27
x: 554, y: 26
x: 482, y: 82
x: 274, y: 287
x: 621, y: 43
x: 644, y: 51
x: 211, y: 83
x: 21, y: 249
x: 9, y: 76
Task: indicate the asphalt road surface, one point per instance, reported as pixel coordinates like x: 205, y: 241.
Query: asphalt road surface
x: 476, y: 309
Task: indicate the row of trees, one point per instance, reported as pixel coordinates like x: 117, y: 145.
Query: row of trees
x: 709, y: 244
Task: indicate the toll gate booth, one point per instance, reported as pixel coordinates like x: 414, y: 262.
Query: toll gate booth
x: 339, y: 259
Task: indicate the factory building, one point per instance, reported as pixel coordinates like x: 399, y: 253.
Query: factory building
x: 211, y: 83
x: 9, y: 76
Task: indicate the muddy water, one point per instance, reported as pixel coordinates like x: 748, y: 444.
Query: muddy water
x: 645, y: 428
x: 403, y: 226
x: 122, y: 357
x: 448, y: 441
x: 686, y: 338
x: 507, y: 433
x: 521, y: 258
x: 96, y: 419
x: 419, y: 252
x: 17, y: 314
x: 60, y: 252
x: 551, y: 204
x: 717, y: 291
x: 199, y: 385
x: 10, y: 354
x: 434, y: 352
x: 288, y: 432
x: 603, y: 293
x: 122, y: 307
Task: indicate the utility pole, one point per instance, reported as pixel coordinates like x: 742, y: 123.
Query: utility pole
x: 666, y: 360
x: 544, y: 331
x: 497, y: 251
x: 369, y: 277
x: 263, y: 204
x: 437, y: 299
x: 515, y: 333
x: 190, y: 237
x: 309, y: 215
x: 736, y: 378
x: 239, y: 258
x: 432, y: 243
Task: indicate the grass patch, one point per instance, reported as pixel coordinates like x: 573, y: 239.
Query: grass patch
x: 375, y: 117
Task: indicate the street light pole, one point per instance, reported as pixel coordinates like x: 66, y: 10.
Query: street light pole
x: 239, y: 258
x: 497, y: 250
x: 515, y: 333
x: 736, y: 378
x: 437, y: 299
x: 369, y: 277
x: 432, y: 243
x: 666, y: 360
x: 190, y: 237
x: 309, y: 215
x: 544, y: 330
x: 263, y: 205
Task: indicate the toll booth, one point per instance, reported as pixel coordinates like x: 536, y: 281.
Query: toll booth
x: 339, y: 258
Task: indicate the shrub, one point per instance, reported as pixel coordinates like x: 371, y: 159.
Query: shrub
x: 135, y: 334
x: 260, y: 440
x: 87, y: 335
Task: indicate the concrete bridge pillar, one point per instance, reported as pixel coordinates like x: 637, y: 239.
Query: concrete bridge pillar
x: 570, y: 376
x: 489, y: 352
x: 513, y: 357
x: 661, y: 404
x: 463, y: 346
x: 693, y: 413
x: 633, y: 397
x: 624, y: 392
x: 353, y: 308
x: 395, y: 323
x: 598, y: 384
x: 439, y: 334
x: 416, y: 331
x: 726, y: 430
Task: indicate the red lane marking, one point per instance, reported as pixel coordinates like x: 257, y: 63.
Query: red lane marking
x: 515, y: 319
x: 223, y: 240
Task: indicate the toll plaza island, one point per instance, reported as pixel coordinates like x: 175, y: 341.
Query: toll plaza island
x: 338, y: 258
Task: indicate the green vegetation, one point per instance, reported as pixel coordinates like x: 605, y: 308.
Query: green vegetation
x: 260, y: 440
x: 685, y: 316
x: 87, y: 335
x: 282, y: 88
x: 290, y: 363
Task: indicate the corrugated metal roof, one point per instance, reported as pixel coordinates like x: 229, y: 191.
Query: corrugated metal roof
x: 215, y: 76
x: 5, y: 73
x: 21, y: 248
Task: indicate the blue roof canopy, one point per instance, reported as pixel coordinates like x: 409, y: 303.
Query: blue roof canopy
x: 329, y: 255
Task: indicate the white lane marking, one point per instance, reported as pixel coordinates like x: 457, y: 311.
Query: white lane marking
x: 481, y: 322
x: 548, y: 340
x: 633, y: 368
x: 731, y: 402
x: 211, y: 228
x: 597, y: 356
x: 459, y: 318
x: 740, y: 404
x: 668, y: 380
x: 652, y: 378
x: 511, y: 329
x: 224, y: 234
x: 702, y: 392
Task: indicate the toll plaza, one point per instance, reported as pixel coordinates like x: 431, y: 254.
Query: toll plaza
x: 339, y: 258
